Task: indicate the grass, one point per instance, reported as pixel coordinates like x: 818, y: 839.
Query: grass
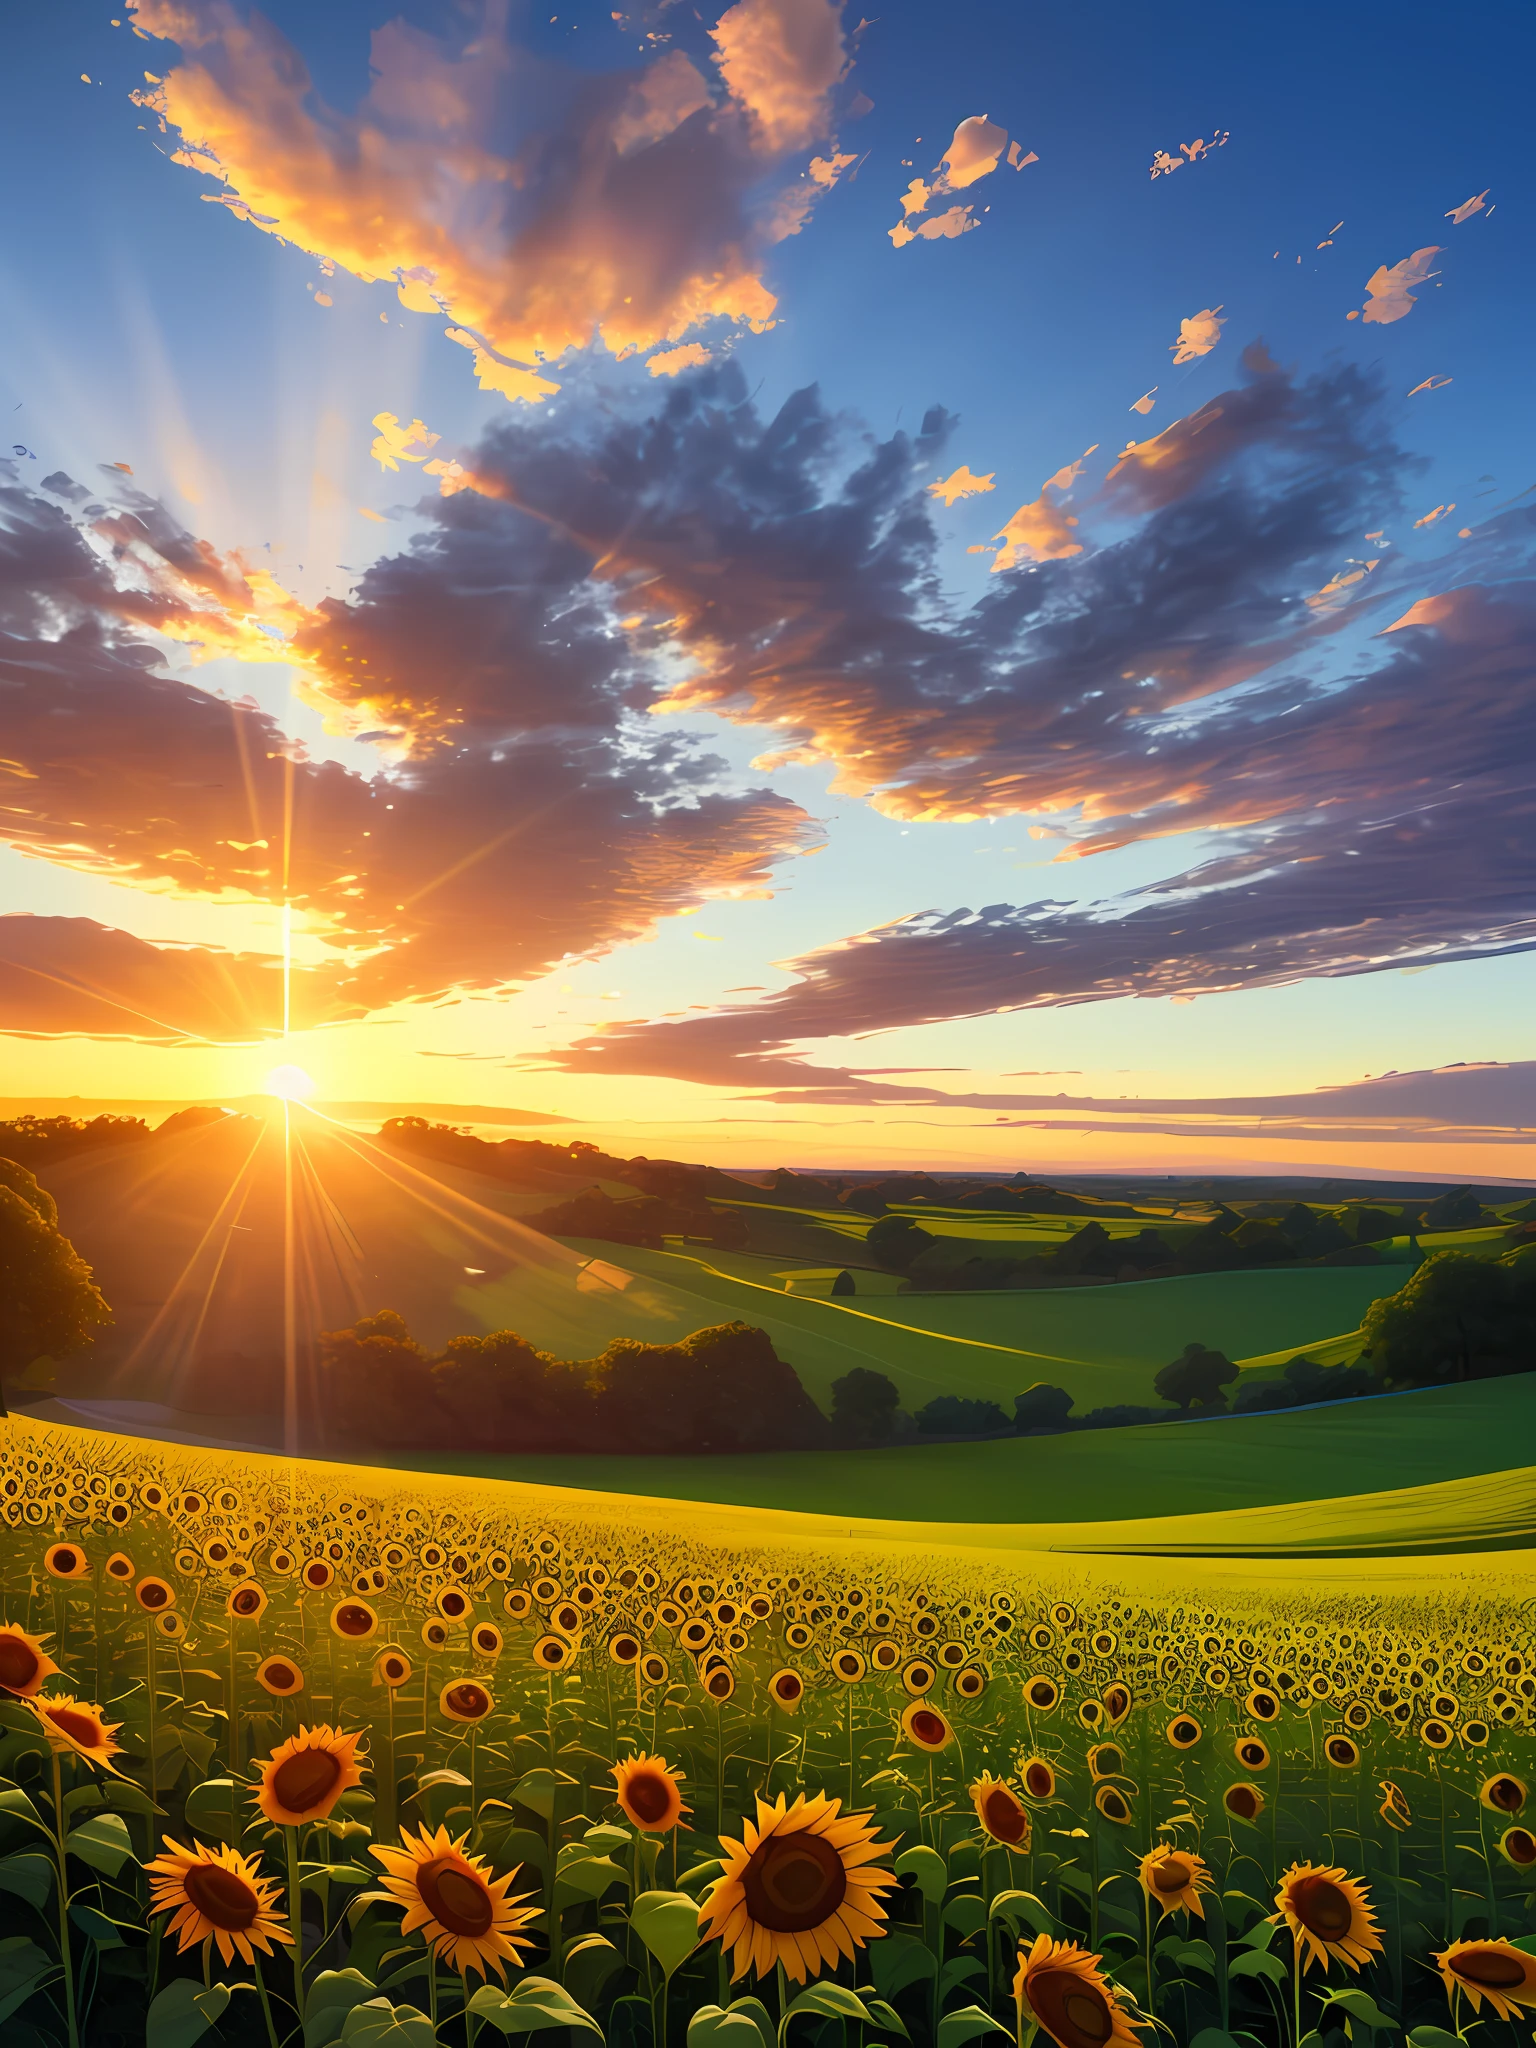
x: 1055, y: 1491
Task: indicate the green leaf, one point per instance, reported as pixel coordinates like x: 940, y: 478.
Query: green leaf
x: 183, y: 2013
x: 539, y: 1789
x: 957, y: 1971
x: 928, y: 1867
x: 887, y: 2016
x: 1212, y: 2037
x: 1433, y: 2037
x: 102, y: 1842
x: 215, y: 1808
x: 104, y: 1932
x: 123, y: 1796
x: 967, y: 1915
x: 1195, y: 1955
x: 606, y: 1839
x: 588, y: 1965
x: 1360, y: 2006
x: 29, y: 1876
x: 1254, y: 1962
x: 82, y: 1796
x: 378, y: 2024
x: 16, y: 1806
x: 711, y: 2027
x: 827, y: 2001
x: 668, y: 1924
x: 898, y: 1961
x: 965, y: 2025
x: 514, y: 1846
x: 532, y: 2004
x: 332, y: 1996
x: 23, y: 1967
x: 1025, y: 1908
x: 1259, y: 1935
x: 581, y: 1875
x: 697, y: 1875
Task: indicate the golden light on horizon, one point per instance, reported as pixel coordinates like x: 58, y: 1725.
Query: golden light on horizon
x: 289, y: 1084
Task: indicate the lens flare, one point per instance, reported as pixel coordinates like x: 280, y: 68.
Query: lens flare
x: 290, y: 1084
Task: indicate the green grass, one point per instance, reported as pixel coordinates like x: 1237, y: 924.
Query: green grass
x: 1450, y: 1448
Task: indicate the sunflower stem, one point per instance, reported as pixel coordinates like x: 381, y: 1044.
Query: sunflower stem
x: 471, y: 2020
x: 266, y: 2003
x: 64, y: 1954
x: 295, y: 1918
x: 1296, y: 1990
x: 232, y: 1732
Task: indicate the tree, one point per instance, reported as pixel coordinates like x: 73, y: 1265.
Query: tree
x: 954, y: 1415
x: 375, y: 1381
x: 49, y: 1304
x: 1458, y: 1318
x: 1041, y: 1407
x: 864, y: 1405
x: 897, y: 1243
x: 1196, y: 1378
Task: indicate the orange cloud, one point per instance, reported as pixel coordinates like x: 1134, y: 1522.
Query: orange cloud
x: 1391, y: 290
x: 1037, y: 532
x: 394, y: 444
x: 960, y: 484
x: 1165, y: 163
x: 942, y: 227
x: 672, y: 361
x: 1468, y: 207
x: 780, y: 59
x: 1197, y: 336
x: 538, y: 206
x: 973, y: 154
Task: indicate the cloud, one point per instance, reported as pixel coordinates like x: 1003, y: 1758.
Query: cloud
x: 1197, y: 336
x: 1391, y: 291
x: 672, y: 361
x: 1038, y: 532
x: 1145, y: 403
x: 975, y: 153
x: 942, y: 227
x: 538, y: 814
x: 535, y: 204
x: 1430, y: 384
x: 394, y: 444
x: 1468, y: 207
x: 960, y: 484
x: 1166, y: 162
x: 780, y: 60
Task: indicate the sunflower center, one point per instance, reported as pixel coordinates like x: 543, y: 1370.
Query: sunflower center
x: 455, y: 1897
x: 927, y: 1726
x: 1490, y: 1968
x: 221, y: 1897
x: 281, y: 1675
x: 301, y: 1782
x: 1506, y: 1794
x: 1169, y: 1876
x: 1074, y: 2012
x: 469, y: 1701
x: 353, y: 1621
x: 649, y: 1796
x: 1242, y: 1801
x: 18, y: 1663
x: 78, y: 1727
x: 1322, y: 1907
x: 1038, y: 1781
x: 1004, y: 1816
x: 246, y: 1601
x: 794, y: 1882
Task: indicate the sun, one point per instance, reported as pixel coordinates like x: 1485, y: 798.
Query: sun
x: 290, y: 1084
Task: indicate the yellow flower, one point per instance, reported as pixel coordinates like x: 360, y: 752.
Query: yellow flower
x: 1062, y: 1989
x: 926, y: 1728
x: 1328, y: 1916
x: 1495, y: 1970
x: 649, y: 1791
x: 279, y: 1676
x: 1174, y: 1879
x: 306, y: 1775
x: 798, y: 1889
x: 460, y: 1910
x: 1243, y: 1802
x: 1503, y: 1793
x: 1394, y: 1808
x: 1038, y: 1778
x: 1518, y: 1846
x: 74, y: 1729
x: 217, y: 1894
x: 24, y: 1663
x: 1001, y: 1812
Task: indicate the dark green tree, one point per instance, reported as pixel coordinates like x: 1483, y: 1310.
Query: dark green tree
x: 954, y: 1415
x: 1196, y: 1378
x: 1041, y: 1407
x: 49, y: 1304
x: 375, y: 1382
x: 1458, y: 1318
x: 864, y: 1405
x: 897, y: 1243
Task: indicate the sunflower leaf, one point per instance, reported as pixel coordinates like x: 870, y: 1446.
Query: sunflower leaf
x: 966, y: 1914
x: 965, y: 2025
x: 1023, y: 1906
x: 378, y: 2024
x: 538, y: 1790
x: 331, y: 1997
x: 711, y: 2027
x: 929, y: 1869
x: 1360, y: 2006
x: 1431, y: 2037
x: 1256, y: 1962
x: 589, y: 1963
x: 23, y: 1966
x: 898, y: 1961
x: 887, y: 2016
x: 183, y: 2012
x: 532, y: 2004
x: 827, y: 2001
x: 213, y: 1808
x: 668, y: 1924
x: 29, y: 1876
x: 102, y: 1842
x: 584, y: 1876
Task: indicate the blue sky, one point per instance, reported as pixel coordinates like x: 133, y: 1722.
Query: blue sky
x: 140, y: 324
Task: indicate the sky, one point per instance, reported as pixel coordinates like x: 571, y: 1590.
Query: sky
x: 955, y: 588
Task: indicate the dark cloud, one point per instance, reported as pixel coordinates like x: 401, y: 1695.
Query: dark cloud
x: 548, y: 836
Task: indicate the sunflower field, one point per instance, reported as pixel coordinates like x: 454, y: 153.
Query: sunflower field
x: 295, y: 1754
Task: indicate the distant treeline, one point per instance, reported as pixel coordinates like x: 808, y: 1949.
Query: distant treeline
x: 42, y: 1141
x: 721, y: 1390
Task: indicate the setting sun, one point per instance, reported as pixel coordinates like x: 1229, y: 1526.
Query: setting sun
x: 291, y: 1084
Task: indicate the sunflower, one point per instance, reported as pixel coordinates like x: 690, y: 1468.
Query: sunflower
x: 354, y: 1621
x: 279, y: 1676
x: 465, y: 1700
x: 247, y: 1601
x: 926, y: 1728
x: 66, y: 1561
x: 1038, y: 1778
x: 74, y: 1729
x: 1174, y: 1879
x: 1184, y: 1731
x: 1106, y: 1760
x: 650, y: 1792
x: 786, y: 1689
x: 1495, y: 1970
x: 1394, y: 1808
x: 24, y: 1663
x: 306, y: 1775
x: 1328, y: 1916
x: 392, y: 1668
x: 1503, y: 1793
x: 1342, y: 1751
x: 1252, y: 1754
x: 798, y: 1888
x: 1001, y: 1812
x: 1243, y: 1802
x: 1114, y: 1805
x: 1518, y: 1846
x: 218, y: 1895
x: 1062, y: 1989
x: 452, y: 1900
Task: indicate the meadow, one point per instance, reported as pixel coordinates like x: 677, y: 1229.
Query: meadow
x: 1224, y: 1801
